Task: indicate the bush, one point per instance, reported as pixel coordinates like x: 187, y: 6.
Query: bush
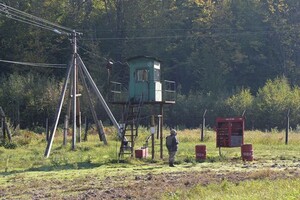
x: 8, y: 145
x: 39, y: 129
x: 25, y: 138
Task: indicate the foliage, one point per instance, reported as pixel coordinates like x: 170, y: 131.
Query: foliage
x: 266, y: 110
x: 8, y: 145
x: 240, y: 102
x: 29, y: 99
x: 272, y: 101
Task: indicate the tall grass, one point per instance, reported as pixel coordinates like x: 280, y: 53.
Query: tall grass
x: 30, y: 147
x: 254, y: 189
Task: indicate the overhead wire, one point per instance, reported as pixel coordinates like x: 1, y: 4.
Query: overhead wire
x: 103, y: 58
x: 190, y: 33
x: 46, y: 65
x: 32, y: 20
x: 29, y: 19
x: 198, y: 29
x: 91, y: 53
x: 199, y: 35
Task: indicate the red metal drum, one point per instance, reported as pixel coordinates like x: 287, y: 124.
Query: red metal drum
x: 142, y: 152
x: 247, y: 152
x: 139, y: 153
x: 200, y: 152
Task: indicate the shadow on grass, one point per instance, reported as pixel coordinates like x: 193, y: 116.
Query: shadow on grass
x: 59, y: 166
x: 69, y: 166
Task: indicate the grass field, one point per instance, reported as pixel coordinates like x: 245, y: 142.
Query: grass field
x: 92, y: 171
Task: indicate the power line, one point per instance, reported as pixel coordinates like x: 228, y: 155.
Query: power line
x: 103, y: 58
x: 17, y: 18
x: 91, y: 53
x: 204, y: 35
x: 200, y: 29
x: 18, y: 15
x: 45, y: 65
x: 199, y: 35
x: 192, y: 33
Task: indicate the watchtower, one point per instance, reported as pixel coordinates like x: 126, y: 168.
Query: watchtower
x: 145, y: 87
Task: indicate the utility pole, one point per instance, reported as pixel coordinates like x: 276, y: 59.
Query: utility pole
x: 74, y: 90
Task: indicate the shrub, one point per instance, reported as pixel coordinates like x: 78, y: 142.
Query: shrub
x: 39, y: 129
x: 9, y: 145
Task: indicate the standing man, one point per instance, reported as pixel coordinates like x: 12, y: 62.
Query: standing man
x: 172, y: 146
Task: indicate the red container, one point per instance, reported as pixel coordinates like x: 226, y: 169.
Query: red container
x: 247, y: 152
x: 230, y: 131
x: 139, y: 153
x: 200, y: 152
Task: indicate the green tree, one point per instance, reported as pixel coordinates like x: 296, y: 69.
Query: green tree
x: 29, y: 99
x: 295, y: 107
x: 283, y: 18
x: 271, y: 103
x: 240, y: 102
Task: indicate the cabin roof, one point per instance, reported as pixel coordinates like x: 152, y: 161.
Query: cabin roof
x: 142, y: 56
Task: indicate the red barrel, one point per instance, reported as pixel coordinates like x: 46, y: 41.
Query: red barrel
x: 139, y: 153
x: 200, y: 152
x: 247, y: 152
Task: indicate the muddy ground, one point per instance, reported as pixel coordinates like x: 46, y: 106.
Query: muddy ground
x: 137, y: 185
x: 152, y: 186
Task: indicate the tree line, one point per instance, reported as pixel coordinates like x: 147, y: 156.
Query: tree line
x: 225, y: 56
x: 265, y: 110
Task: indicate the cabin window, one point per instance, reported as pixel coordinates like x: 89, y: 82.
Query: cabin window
x: 156, y: 75
x: 142, y: 75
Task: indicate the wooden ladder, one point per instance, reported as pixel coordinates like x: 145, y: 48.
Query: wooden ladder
x: 130, y: 132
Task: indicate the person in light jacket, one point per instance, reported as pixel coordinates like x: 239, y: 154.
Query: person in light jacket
x: 172, y: 146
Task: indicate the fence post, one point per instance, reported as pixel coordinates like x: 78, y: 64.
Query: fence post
x: 152, y: 130
x: 287, y: 126
x: 203, y: 125
x: 79, y: 127
x: 47, y: 129
x: 66, y: 127
x: 85, y: 129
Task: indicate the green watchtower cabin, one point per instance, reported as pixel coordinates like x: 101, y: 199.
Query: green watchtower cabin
x: 144, y: 84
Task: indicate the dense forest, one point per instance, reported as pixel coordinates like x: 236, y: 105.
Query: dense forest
x: 226, y: 56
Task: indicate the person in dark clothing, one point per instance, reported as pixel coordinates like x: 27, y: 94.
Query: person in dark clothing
x: 172, y: 146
